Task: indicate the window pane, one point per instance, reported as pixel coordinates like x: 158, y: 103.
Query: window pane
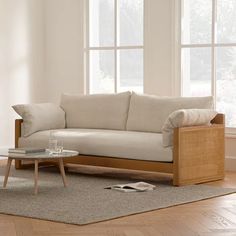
x: 101, y: 71
x: 101, y: 23
x: 226, y: 83
x: 130, y: 22
x: 130, y: 70
x: 196, y: 71
x: 196, y: 21
x: 226, y: 21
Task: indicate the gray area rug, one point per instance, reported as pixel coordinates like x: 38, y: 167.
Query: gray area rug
x: 86, y: 201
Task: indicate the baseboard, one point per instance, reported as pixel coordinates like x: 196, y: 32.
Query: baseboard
x: 3, y: 149
x: 230, y: 163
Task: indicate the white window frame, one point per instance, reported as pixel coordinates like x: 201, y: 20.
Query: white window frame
x: 115, y: 48
x: 178, y: 46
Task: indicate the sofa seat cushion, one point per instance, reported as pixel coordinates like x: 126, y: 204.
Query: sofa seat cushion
x: 111, y: 143
x: 96, y: 111
x: 148, y: 113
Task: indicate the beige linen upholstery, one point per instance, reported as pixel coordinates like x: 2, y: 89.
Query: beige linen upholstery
x: 111, y: 143
x: 148, y: 113
x: 98, y: 111
x: 40, y: 116
x: 185, y: 117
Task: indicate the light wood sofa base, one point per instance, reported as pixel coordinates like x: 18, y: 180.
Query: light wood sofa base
x: 198, y: 155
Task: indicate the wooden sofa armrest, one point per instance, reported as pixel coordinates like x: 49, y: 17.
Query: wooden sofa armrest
x: 18, y: 123
x: 199, y: 152
x: 219, y: 119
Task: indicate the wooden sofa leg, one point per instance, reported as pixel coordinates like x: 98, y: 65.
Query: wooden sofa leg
x: 176, y: 180
x: 18, y: 164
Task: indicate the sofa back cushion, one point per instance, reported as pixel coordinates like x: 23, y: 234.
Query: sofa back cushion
x: 98, y: 111
x: 148, y: 113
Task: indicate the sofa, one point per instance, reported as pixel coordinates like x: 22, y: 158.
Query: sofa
x: 125, y: 130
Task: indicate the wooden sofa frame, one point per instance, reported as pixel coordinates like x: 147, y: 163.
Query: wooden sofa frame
x: 198, y: 155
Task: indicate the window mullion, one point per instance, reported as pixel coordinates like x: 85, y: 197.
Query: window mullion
x: 108, y: 76
x: 213, y: 56
x: 87, y: 51
x: 115, y: 46
x: 196, y: 45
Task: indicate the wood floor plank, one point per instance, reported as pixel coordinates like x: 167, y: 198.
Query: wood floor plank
x: 7, y: 228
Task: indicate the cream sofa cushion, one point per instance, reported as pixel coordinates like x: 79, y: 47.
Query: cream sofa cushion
x: 101, y: 142
x: 40, y: 116
x: 148, y: 113
x: 185, y: 117
x: 98, y: 111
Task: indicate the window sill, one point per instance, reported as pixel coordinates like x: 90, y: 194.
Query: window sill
x: 231, y: 136
x: 230, y: 132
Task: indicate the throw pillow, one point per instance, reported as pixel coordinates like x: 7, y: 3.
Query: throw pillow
x: 185, y: 117
x: 41, y: 116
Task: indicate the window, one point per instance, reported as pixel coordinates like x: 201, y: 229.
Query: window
x: 114, y: 46
x: 208, y: 52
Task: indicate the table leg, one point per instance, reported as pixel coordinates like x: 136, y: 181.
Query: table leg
x: 9, y: 161
x: 36, y: 175
x: 62, y: 170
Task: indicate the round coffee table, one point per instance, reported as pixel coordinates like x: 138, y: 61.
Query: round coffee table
x: 36, y: 157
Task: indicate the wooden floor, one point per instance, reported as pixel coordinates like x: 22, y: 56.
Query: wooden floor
x: 216, y: 217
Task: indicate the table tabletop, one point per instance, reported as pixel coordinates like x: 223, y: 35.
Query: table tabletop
x: 39, y: 155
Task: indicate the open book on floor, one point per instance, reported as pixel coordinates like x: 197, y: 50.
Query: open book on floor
x: 133, y: 187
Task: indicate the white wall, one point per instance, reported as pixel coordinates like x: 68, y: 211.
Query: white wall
x: 22, y: 77
x: 158, y: 47
x: 64, y: 47
x: 231, y: 153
